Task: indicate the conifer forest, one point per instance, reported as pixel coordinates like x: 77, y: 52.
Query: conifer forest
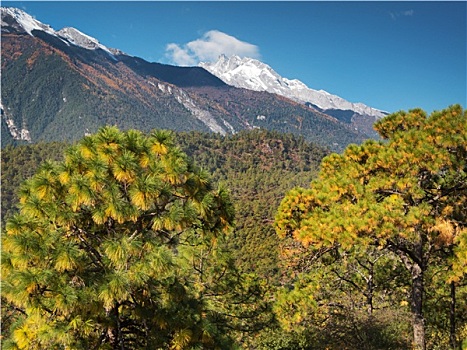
x: 262, y: 240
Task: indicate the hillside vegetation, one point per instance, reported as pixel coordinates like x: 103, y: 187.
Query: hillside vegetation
x: 306, y: 288
x: 59, y: 92
x: 258, y: 167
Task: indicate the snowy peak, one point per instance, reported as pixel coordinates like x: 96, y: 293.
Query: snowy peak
x: 23, y: 22
x: 244, y: 72
x: 75, y: 37
x: 255, y: 75
x: 20, y: 20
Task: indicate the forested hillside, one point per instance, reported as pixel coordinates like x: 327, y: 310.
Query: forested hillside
x: 258, y: 167
x: 54, y: 90
x: 302, y: 288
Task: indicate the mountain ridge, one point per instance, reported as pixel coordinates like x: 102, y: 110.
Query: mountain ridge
x: 250, y: 73
x: 68, y: 35
x: 61, y: 87
x: 253, y: 74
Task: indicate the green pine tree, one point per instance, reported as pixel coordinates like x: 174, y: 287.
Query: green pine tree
x: 118, y: 246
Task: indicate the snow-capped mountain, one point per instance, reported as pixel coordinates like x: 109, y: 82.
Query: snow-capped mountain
x: 255, y: 75
x: 61, y: 85
x: 22, y: 21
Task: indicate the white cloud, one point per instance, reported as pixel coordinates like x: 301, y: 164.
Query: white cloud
x: 179, y: 55
x: 208, y: 48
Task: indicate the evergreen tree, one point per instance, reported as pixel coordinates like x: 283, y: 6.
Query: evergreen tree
x: 117, y: 247
x: 406, y: 194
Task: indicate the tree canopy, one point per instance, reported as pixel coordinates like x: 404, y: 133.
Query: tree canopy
x: 118, y: 246
x: 218, y: 289
x: 406, y: 194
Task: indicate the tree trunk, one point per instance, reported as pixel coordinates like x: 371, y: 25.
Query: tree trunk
x: 115, y: 334
x: 370, y: 292
x: 418, y: 320
x: 452, y: 317
x: 415, y: 263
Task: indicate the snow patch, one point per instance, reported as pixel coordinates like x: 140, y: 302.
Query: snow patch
x: 77, y: 38
x: 166, y: 89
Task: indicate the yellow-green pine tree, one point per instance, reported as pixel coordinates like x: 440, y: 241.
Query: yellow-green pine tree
x: 406, y: 194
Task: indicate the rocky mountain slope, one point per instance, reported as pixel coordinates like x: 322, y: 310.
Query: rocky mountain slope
x: 60, y: 85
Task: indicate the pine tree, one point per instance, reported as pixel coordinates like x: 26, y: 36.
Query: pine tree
x: 113, y: 248
x: 406, y: 194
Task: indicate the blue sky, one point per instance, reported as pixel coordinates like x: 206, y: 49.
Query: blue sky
x: 388, y: 55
